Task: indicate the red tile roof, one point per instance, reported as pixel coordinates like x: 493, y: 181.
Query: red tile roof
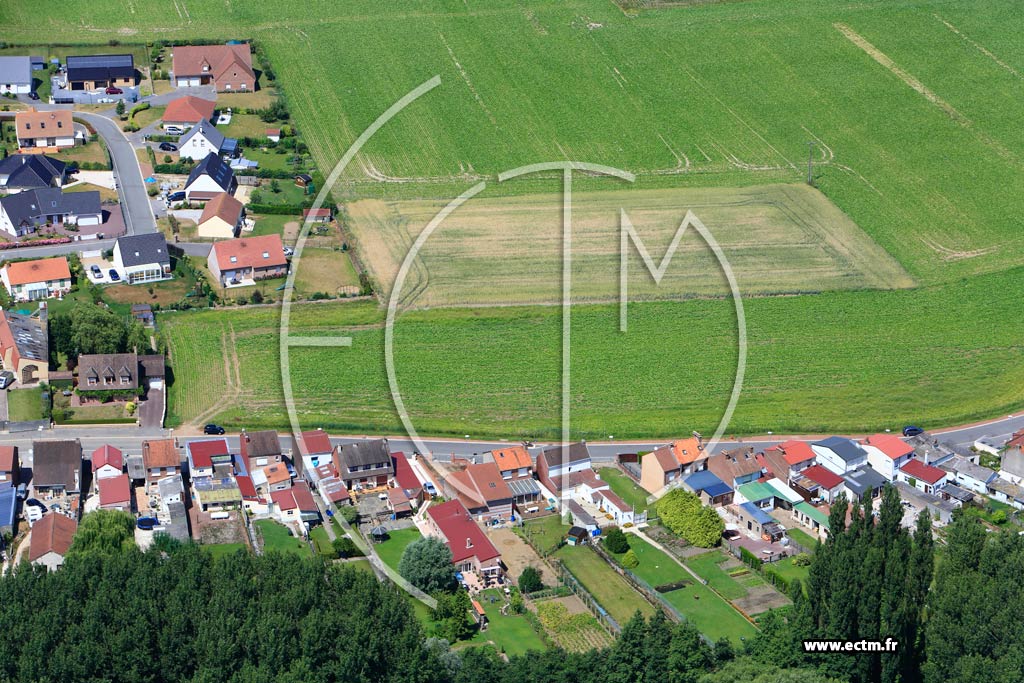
x: 405, y: 477
x: 315, y: 442
x: 297, y: 497
x: 160, y: 454
x: 316, y: 213
x: 248, y: 252
x: 687, y: 450
x: 189, y: 60
x: 457, y: 527
x: 37, y: 124
x: 796, y: 452
x: 115, y: 490
x: 613, y: 500
x: 482, y: 483
x: 512, y: 458
x: 284, y: 499
x: 203, y: 452
x: 1017, y: 440
x: 822, y: 476
x: 7, y: 454
x: 40, y: 270
x: 224, y: 207
x: 189, y: 109
x: 53, y: 533
x: 666, y: 460
x: 245, y: 486
x: 890, y: 444
x: 919, y: 470
x: 107, y: 455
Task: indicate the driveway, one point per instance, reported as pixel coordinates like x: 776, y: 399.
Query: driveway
x: 151, y: 411
x: 3, y: 405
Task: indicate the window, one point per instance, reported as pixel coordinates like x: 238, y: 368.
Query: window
x: 266, y: 254
x: 60, y: 124
x: 234, y: 259
x: 28, y: 126
x: 42, y: 124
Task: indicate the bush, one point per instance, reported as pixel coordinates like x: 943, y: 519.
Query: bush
x: 427, y: 564
x: 530, y: 581
x: 616, y: 542
x: 350, y: 514
x: 802, y: 560
x: 152, y: 190
x: 344, y: 547
x: 683, y: 513
x: 630, y: 560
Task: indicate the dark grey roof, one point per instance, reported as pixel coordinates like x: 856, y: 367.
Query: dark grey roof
x: 101, y: 365
x: 153, y: 366
x: 57, y: 464
x: 262, y: 444
x: 558, y: 455
x: 363, y: 453
x: 863, y: 479
x: 16, y: 70
x: 957, y: 493
x: 138, y: 250
x: 209, y: 131
x: 214, y: 167
x: 99, y: 67
x: 31, y: 171
x: 136, y: 468
x: 523, y: 487
x: 846, y: 449
x: 29, y: 336
x: 32, y: 206
x: 580, y: 514
x: 968, y: 468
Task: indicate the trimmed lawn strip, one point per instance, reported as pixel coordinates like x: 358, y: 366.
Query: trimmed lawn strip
x: 607, y: 587
x: 626, y: 489
x: 546, y: 532
x: 277, y: 538
x: 512, y: 634
x: 25, y: 404
x: 708, y: 566
x: 390, y: 551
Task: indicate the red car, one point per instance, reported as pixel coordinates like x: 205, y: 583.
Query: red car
x: 114, y: 91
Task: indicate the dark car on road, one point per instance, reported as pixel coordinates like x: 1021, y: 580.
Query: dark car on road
x: 176, y: 196
x: 911, y: 430
x: 114, y: 277
x: 114, y: 91
x: 168, y: 147
x: 213, y: 429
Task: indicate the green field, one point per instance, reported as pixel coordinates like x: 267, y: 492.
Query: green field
x: 607, y: 587
x: 545, y: 532
x: 708, y: 566
x: 277, y: 538
x: 921, y: 156
x: 390, y: 551
x: 24, y: 404
x: 511, y: 634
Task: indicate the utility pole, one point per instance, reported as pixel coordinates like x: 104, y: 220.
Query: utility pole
x: 810, y: 162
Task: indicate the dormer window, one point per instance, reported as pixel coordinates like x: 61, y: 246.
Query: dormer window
x: 234, y: 259
x: 266, y: 254
x: 60, y: 124
x: 42, y: 124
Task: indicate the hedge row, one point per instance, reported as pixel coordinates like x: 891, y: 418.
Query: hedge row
x: 277, y: 209
x: 35, y: 243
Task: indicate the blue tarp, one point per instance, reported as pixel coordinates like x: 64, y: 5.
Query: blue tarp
x: 8, y: 506
x: 706, y: 481
x: 757, y: 513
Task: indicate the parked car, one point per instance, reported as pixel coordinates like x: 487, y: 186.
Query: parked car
x: 96, y: 272
x: 429, y: 488
x: 114, y: 91
x: 104, y: 100
x: 33, y: 95
x: 114, y: 277
x: 911, y: 430
x: 213, y: 429
x: 178, y: 196
x: 168, y: 147
x: 288, y: 251
x: 6, y: 379
x: 147, y: 523
x: 174, y: 130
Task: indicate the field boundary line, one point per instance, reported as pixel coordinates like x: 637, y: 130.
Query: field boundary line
x: 981, y: 48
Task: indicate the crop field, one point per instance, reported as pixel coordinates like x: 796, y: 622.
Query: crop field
x: 894, y: 357
x: 777, y: 238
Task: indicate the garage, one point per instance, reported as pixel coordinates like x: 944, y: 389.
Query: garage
x: 189, y: 81
x: 93, y: 219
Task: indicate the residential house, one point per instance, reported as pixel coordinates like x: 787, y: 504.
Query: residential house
x: 271, y: 478
x: 363, y: 464
x: 1011, y: 465
x: 142, y: 258
x: 20, y: 172
x: 927, y: 478
x: 161, y: 459
x: 8, y: 508
x: 581, y: 518
x: 333, y: 490
x: 185, y: 112
x: 44, y: 130
x: 315, y: 448
x: 295, y: 504
x: 864, y: 483
x: 35, y: 280
x: 204, y: 139
x: 818, y: 482
x: 1016, y: 440
x: 668, y: 464
x: 513, y: 462
x: 611, y: 504
x: 26, y: 212
x: 561, y: 469
x: 115, y: 493
x: 24, y: 346
x: 887, y: 453
x: 482, y: 490
x: 226, y: 67
x: 812, y: 518
x: 94, y: 72
x: 471, y: 550
x: 759, y: 522
x: 405, y: 479
x: 968, y: 475
x: 736, y: 467
x: 1007, y: 492
x: 205, y: 457
x: 260, y: 448
x: 57, y: 466
x: 839, y: 454
x: 171, y: 490
x: 51, y: 538
x: 108, y: 372
x: 216, y: 494
x: 252, y: 501
x: 796, y: 456
x: 10, y: 465
x: 758, y: 494
x: 248, y: 260
x: 210, y: 177
x: 399, y: 503
x: 222, y: 217
x: 321, y: 215
x: 712, y: 491
x: 15, y: 75
x: 107, y: 462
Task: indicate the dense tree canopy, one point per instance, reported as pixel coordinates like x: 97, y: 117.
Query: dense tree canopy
x: 427, y: 564
x: 103, y: 533
x: 683, y: 513
x: 90, y: 328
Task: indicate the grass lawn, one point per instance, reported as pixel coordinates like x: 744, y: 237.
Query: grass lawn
x: 164, y: 292
x: 244, y: 126
x: 546, y: 532
x: 803, y: 538
x: 222, y: 549
x: 319, y: 537
x: 625, y: 489
x: 288, y: 192
x: 260, y: 99
x: 607, y: 587
x: 709, y: 566
x: 271, y: 224
x: 148, y: 116
x: 25, y: 404
x: 325, y: 270
x: 274, y: 161
x: 789, y: 571
x: 106, y: 194
x: 713, y: 616
x: 390, y: 551
x: 277, y: 538
x: 111, y: 412
x: 92, y: 152
x: 511, y: 634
